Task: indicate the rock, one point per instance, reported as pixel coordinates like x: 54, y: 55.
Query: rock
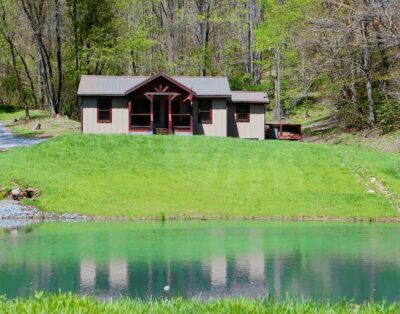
x: 15, y: 194
x: 30, y: 193
x: 38, y: 127
x: 16, y: 120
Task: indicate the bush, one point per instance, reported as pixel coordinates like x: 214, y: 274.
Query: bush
x: 388, y: 116
x: 352, y: 115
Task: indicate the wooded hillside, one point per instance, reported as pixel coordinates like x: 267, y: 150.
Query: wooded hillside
x: 346, y: 51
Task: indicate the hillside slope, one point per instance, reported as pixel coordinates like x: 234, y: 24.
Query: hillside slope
x: 204, y: 177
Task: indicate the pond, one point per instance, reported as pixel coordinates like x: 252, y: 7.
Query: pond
x: 203, y: 259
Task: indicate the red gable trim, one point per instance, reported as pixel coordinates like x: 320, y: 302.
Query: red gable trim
x: 163, y: 75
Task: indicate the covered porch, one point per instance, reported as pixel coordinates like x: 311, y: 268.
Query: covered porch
x: 161, y: 106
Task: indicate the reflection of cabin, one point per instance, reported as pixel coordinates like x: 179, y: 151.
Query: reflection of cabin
x: 170, y: 105
x: 283, y: 131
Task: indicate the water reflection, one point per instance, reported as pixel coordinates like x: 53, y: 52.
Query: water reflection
x: 205, y: 262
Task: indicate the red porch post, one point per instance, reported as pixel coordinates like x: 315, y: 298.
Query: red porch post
x: 152, y: 113
x: 170, y: 131
x: 191, y: 122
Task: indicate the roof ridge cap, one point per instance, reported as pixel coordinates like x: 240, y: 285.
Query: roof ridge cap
x: 116, y: 76
x: 201, y: 77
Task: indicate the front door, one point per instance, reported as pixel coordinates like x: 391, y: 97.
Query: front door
x: 160, y: 112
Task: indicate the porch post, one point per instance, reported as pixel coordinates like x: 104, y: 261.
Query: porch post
x: 151, y: 113
x: 130, y: 115
x: 169, y: 114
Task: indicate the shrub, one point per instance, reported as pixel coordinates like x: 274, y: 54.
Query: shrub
x: 388, y: 116
x: 352, y: 115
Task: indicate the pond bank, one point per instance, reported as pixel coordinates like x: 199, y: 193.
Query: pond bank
x: 15, y: 214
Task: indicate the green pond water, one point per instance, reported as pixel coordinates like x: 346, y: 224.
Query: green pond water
x: 204, y: 259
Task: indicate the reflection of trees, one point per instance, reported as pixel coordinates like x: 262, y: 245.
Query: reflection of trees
x: 248, y: 262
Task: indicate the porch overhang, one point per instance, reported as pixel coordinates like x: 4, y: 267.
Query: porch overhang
x: 165, y: 77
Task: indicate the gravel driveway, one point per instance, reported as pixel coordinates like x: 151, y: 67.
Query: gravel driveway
x: 9, y: 140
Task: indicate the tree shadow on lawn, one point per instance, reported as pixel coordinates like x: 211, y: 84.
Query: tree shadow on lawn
x: 9, y: 108
x: 322, y: 128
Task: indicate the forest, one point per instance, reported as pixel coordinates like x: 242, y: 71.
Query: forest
x: 345, y: 52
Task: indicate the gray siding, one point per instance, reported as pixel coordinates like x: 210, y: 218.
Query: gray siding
x: 120, y: 117
x: 255, y: 129
x: 219, y: 125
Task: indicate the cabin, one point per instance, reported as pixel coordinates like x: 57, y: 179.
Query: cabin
x: 162, y: 104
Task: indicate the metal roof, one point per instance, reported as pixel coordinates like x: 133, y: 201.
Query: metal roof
x: 207, y: 86
x: 96, y: 85
x: 250, y: 97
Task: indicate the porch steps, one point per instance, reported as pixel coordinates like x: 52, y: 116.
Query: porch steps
x: 160, y: 131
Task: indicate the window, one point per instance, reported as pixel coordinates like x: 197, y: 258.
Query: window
x: 242, y: 113
x: 205, y: 111
x: 104, y: 110
x: 140, y: 114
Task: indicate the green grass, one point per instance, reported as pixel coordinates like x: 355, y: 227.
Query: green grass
x: 68, y: 303
x: 170, y: 177
x: 50, y: 127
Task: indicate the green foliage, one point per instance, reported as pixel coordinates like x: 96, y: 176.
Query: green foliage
x: 69, y: 303
x: 199, y: 176
x: 352, y: 115
x: 283, y: 20
x: 388, y: 116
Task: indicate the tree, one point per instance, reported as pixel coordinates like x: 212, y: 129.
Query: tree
x: 37, y: 11
x: 8, y: 33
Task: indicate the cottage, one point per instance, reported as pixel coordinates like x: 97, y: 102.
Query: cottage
x: 170, y: 105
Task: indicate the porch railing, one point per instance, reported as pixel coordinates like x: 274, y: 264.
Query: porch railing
x: 182, y: 122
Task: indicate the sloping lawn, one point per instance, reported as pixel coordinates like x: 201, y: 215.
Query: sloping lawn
x: 198, y: 176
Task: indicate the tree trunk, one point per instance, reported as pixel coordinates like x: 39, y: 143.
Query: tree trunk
x: 371, y: 104
x: 36, y: 16
x: 367, y: 55
x: 59, y: 55
x: 28, y: 75
x: 278, y: 105
x: 18, y: 76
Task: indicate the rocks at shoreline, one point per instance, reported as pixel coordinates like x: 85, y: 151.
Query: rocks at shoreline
x: 13, y: 214
x: 14, y: 210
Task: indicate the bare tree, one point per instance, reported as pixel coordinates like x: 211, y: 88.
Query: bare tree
x: 36, y: 11
x: 9, y: 34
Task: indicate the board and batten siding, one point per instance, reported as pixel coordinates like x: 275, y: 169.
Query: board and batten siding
x: 120, y: 117
x: 219, y: 125
x: 255, y: 129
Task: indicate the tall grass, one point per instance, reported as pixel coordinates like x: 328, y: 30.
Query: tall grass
x: 68, y: 303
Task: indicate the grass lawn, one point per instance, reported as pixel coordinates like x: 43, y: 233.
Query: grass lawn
x: 49, y: 126
x: 68, y: 303
x: 157, y: 176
